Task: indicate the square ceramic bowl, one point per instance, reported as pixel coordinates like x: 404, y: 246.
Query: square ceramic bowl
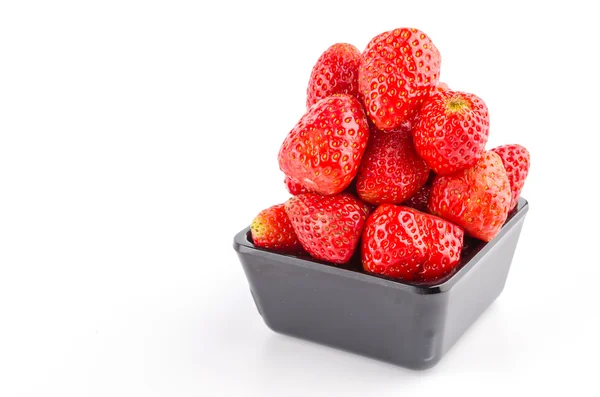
x: 411, y: 325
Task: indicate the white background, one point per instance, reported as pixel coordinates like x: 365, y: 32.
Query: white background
x: 137, y: 137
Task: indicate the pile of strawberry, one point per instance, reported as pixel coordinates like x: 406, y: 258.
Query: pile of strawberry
x: 390, y: 159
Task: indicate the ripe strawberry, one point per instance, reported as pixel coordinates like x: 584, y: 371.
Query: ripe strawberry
x: 420, y: 200
x: 398, y: 71
x: 294, y: 187
x: 391, y: 171
x: 328, y: 227
x: 272, y: 229
x: 476, y: 198
x: 452, y: 131
x: 336, y: 72
x: 516, y: 162
x: 323, y: 151
x: 410, y: 245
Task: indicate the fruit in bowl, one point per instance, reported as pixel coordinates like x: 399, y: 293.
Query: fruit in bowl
x: 393, y: 194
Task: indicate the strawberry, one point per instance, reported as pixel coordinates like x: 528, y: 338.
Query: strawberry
x: 323, y: 151
x: 391, y: 170
x: 294, y: 187
x: 420, y: 200
x: 476, y: 198
x: 452, y: 131
x: 336, y: 72
x: 272, y: 229
x: 398, y: 71
x: 404, y: 243
x: 328, y: 227
x: 515, y: 159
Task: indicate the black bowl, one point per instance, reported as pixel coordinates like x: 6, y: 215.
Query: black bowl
x: 408, y: 324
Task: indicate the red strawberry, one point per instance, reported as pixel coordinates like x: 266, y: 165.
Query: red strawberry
x: 516, y: 162
x: 294, y: 187
x: 452, y: 131
x: 398, y: 71
x: 272, y: 229
x: 477, y: 198
x: 328, y: 227
x: 407, y: 244
x: 336, y: 72
x: 420, y: 200
x: 323, y: 151
x: 391, y: 170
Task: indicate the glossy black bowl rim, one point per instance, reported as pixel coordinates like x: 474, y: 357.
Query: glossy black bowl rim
x: 244, y: 245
